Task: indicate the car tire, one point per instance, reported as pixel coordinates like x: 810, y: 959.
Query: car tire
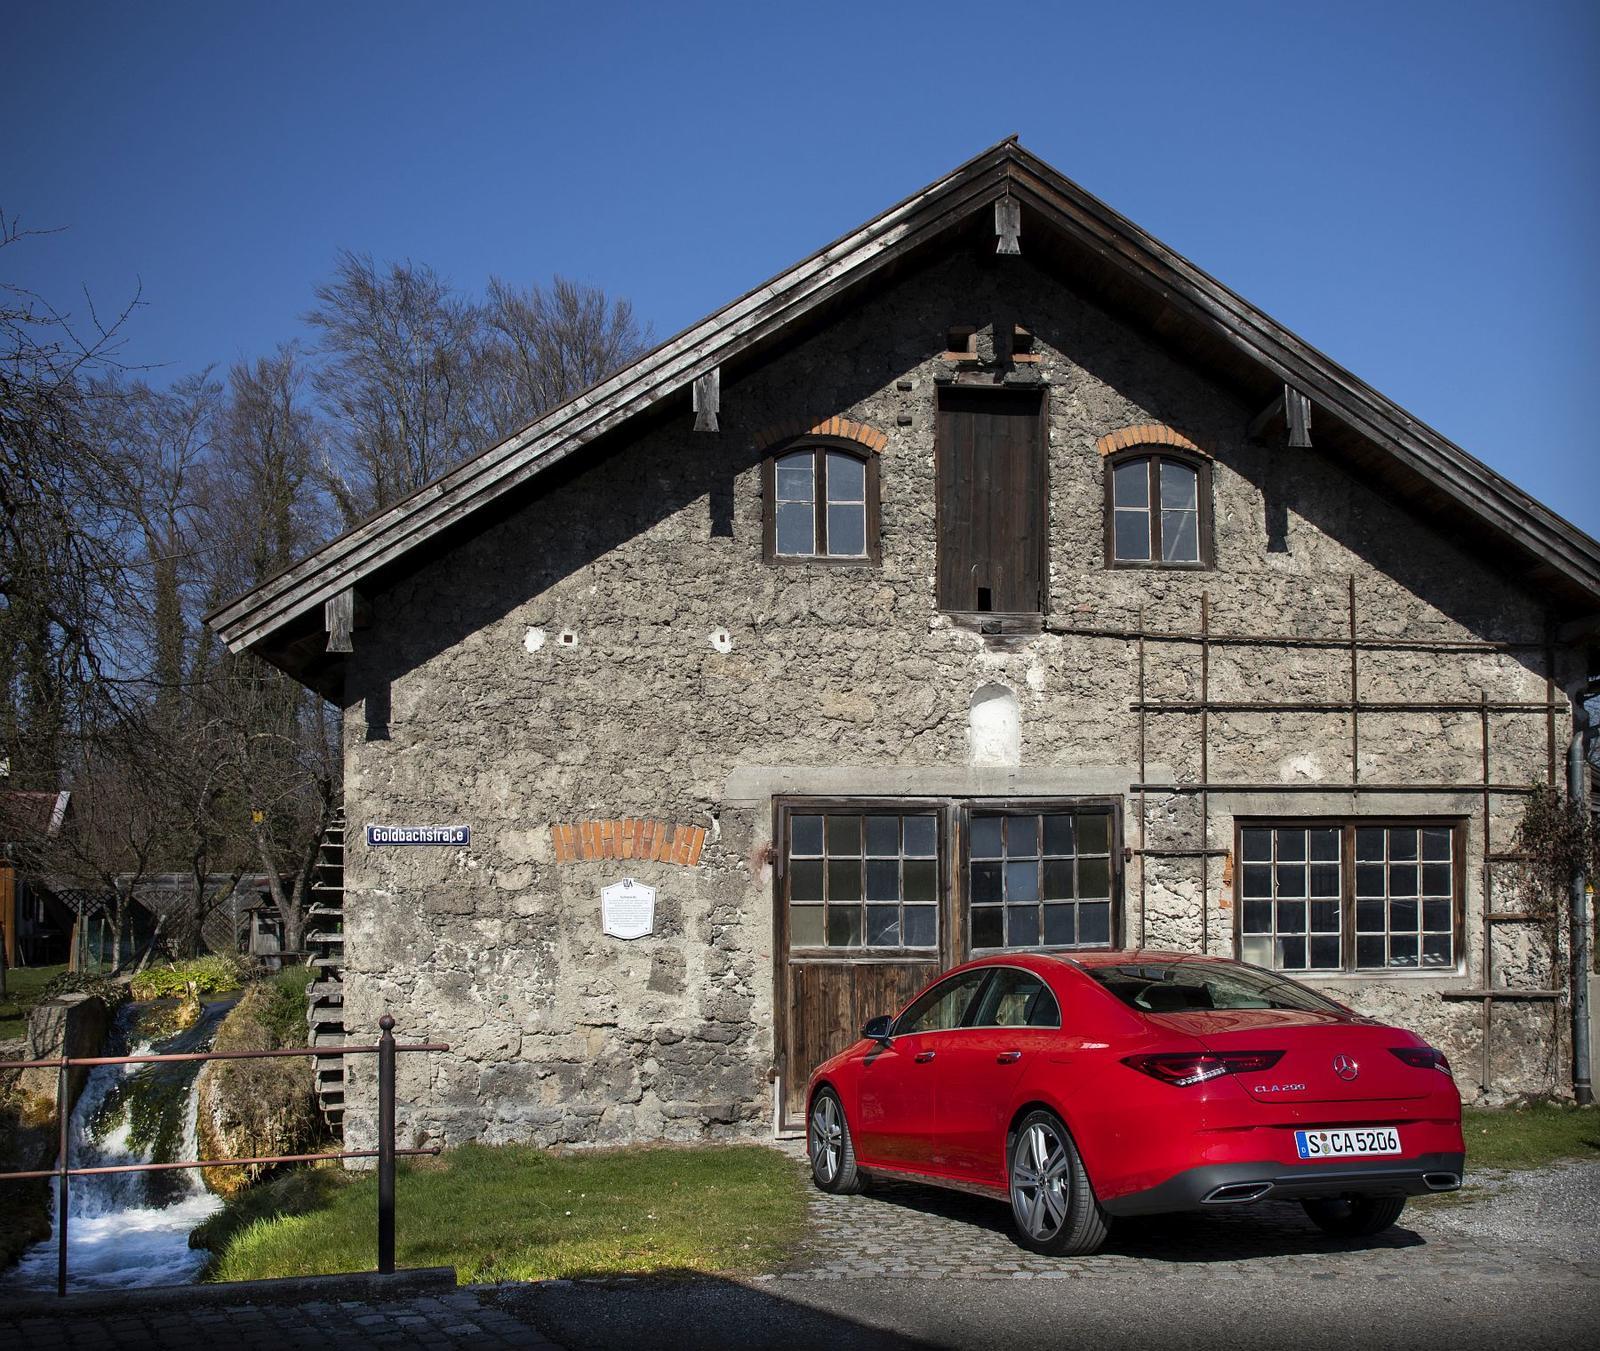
x: 1052, y: 1203
x: 830, y: 1146
x: 1356, y: 1216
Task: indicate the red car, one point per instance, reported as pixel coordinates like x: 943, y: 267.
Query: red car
x: 1134, y: 1083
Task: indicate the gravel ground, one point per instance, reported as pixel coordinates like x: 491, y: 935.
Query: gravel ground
x: 1544, y: 1210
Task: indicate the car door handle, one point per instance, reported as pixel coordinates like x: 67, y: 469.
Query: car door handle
x: 1008, y: 1057
x: 923, y: 1057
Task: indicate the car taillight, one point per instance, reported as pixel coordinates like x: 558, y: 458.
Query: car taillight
x: 1194, y: 1067
x: 1421, y: 1057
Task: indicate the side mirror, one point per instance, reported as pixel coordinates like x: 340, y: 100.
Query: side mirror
x: 877, y: 1029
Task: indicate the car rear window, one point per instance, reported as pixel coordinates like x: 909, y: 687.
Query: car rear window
x: 1199, y: 987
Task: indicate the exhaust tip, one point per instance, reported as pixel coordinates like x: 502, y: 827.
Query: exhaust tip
x: 1236, y: 1193
x: 1442, y: 1182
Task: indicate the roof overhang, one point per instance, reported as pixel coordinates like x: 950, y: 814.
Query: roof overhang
x: 1107, y: 258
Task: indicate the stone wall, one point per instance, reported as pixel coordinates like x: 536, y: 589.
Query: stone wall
x: 617, y: 648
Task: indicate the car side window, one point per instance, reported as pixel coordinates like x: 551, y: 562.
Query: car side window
x: 1017, y: 998
x: 942, y: 1007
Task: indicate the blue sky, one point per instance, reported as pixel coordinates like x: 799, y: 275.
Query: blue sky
x: 1412, y: 187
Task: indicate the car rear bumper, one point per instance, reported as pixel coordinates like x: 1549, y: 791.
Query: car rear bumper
x: 1225, y: 1184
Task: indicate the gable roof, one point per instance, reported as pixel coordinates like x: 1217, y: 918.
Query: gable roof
x: 1110, y: 259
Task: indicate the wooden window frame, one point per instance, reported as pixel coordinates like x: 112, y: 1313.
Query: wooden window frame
x: 821, y: 446
x: 1154, y: 455
x: 1041, y: 806
x: 1347, y: 827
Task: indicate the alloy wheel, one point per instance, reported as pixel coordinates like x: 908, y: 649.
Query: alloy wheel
x: 1040, y: 1190
x: 827, y: 1138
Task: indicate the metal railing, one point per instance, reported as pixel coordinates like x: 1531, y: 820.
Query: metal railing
x: 385, y: 1049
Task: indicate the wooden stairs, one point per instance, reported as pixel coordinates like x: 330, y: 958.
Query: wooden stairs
x: 325, y: 993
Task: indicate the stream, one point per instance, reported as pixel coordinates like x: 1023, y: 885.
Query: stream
x: 132, y: 1229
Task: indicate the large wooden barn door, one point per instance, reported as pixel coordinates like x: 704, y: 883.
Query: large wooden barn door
x: 862, y: 922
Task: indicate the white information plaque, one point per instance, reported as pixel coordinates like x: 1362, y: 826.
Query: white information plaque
x: 627, y: 909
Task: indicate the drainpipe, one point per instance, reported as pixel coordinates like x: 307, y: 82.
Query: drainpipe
x: 1578, y: 799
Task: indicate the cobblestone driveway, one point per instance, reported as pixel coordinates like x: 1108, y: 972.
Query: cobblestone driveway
x: 1537, y: 1221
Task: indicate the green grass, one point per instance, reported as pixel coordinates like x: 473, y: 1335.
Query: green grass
x: 210, y: 974
x: 513, y: 1213
x: 1503, y: 1138
x: 23, y: 987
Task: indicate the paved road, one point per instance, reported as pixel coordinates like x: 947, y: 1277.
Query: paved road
x: 913, y: 1267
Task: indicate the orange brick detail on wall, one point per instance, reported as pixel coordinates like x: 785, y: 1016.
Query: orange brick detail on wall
x: 1145, y: 434
x: 843, y: 428
x: 630, y: 837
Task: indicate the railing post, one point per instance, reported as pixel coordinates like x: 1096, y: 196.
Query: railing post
x: 63, y: 1119
x: 385, y: 1146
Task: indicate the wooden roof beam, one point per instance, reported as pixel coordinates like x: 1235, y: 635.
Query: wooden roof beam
x: 1290, y: 415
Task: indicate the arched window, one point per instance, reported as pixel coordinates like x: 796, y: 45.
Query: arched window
x: 822, y: 503
x: 1158, y: 510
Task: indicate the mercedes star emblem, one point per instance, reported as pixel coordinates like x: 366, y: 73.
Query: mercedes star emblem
x: 1345, y: 1068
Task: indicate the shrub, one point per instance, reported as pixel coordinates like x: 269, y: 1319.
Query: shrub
x: 211, y: 974
x: 84, y: 982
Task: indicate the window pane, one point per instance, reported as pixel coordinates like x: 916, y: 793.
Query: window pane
x: 1292, y: 954
x: 1094, y: 834
x: 1402, y: 879
x: 844, y: 835
x: 1257, y: 879
x: 794, y: 477
x: 805, y: 927
x: 1325, y: 953
x: 805, y: 835
x: 883, y: 836
x: 1180, y: 537
x: 844, y: 926
x: 1436, y: 916
x: 1022, y: 836
x: 986, y: 931
x: 805, y: 880
x: 1094, y: 923
x: 1094, y: 877
x: 1403, y: 916
x: 1403, y: 950
x: 986, y: 836
x: 846, y: 478
x: 1291, y: 846
x: 919, y: 926
x: 1369, y: 951
x: 1291, y: 879
x: 1022, y: 925
x: 1436, y: 844
x: 1369, y: 917
x: 1436, y: 879
x: 1369, y: 879
x: 1058, y: 835
x: 1369, y: 844
x: 1255, y: 846
x: 1436, y: 950
x: 847, y: 531
x: 986, y: 883
x: 1132, y: 535
x: 1325, y: 917
x: 1022, y: 881
x: 1131, y: 484
x: 1257, y: 950
x: 883, y: 879
x: 844, y: 879
x: 796, y: 528
x: 1403, y: 844
x: 1179, y: 487
x: 1058, y: 879
x: 1291, y: 917
x: 883, y: 926
x: 921, y: 879
x: 1324, y: 879
x: 1257, y: 917
x: 1324, y: 846
x: 921, y: 836
x: 1060, y: 927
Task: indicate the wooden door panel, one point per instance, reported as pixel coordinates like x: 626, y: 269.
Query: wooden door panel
x: 827, y: 1002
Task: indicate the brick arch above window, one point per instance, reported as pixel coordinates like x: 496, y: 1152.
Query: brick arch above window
x: 1146, y: 434
x: 842, y: 428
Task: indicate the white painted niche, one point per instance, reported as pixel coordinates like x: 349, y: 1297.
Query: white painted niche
x: 994, y: 727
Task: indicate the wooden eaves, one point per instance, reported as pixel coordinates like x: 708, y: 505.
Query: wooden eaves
x: 1107, y: 257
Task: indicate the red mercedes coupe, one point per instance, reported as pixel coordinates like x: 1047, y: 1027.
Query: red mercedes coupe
x: 1134, y: 1083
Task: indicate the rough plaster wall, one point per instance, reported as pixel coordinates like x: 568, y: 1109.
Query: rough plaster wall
x: 689, y: 657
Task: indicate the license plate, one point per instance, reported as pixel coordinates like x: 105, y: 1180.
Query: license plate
x: 1342, y: 1144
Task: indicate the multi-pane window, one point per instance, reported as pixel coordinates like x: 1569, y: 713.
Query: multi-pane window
x: 1354, y: 896
x: 1405, y: 896
x: 1040, y: 879
x: 863, y: 879
x: 821, y: 505
x: 1159, y: 511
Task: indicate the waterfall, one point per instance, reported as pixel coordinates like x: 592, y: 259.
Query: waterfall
x: 130, y: 1229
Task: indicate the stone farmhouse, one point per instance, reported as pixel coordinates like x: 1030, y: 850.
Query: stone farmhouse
x: 992, y: 578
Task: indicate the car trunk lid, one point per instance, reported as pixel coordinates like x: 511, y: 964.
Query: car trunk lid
x: 1327, y: 1057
